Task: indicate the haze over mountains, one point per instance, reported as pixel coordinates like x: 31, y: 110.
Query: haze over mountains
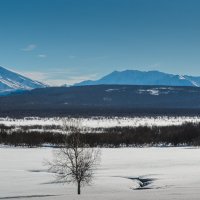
x: 11, y: 81
x: 135, y: 77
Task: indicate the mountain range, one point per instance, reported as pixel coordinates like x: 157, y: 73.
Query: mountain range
x: 14, y: 82
x: 135, y: 77
x: 119, y: 93
x: 11, y: 81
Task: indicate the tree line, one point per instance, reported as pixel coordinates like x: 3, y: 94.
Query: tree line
x: 185, y: 134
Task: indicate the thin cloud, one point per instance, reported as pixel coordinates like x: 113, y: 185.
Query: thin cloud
x: 70, y: 80
x: 56, y: 82
x: 76, y: 79
x: 30, y: 47
x: 42, y: 55
x: 58, y: 78
x: 39, y: 76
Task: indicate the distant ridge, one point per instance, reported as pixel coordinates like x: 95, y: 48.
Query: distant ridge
x: 11, y: 81
x: 135, y: 77
x: 101, y: 100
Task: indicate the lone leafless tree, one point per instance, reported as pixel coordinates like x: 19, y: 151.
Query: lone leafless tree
x: 75, y: 162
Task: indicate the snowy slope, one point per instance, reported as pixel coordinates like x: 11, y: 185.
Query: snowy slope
x: 11, y: 81
x: 135, y: 77
x: 174, y: 175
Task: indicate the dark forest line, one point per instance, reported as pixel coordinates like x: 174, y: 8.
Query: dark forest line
x: 185, y: 134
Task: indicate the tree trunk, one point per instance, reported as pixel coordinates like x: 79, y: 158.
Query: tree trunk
x: 79, y: 188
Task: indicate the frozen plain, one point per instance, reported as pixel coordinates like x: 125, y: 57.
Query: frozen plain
x: 175, y: 174
x: 105, y: 122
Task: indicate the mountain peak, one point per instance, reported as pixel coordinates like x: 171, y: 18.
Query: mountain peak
x: 136, y: 77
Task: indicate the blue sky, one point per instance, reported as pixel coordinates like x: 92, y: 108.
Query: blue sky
x: 66, y: 41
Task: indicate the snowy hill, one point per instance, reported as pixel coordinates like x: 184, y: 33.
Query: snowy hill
x: 134, y: 77
x: 11, y: 81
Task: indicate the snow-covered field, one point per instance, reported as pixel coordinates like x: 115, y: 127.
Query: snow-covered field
x: 101, y: 122
x: 174, y: 172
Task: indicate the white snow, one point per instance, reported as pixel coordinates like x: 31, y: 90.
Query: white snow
x: 150, y: 91
x: 111, y: 90
x: 181, y: 77
x: 195, y: 84
x: 175, y: 173
x: 99, y: 122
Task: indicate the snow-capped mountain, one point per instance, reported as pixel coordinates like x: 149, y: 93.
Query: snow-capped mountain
x: 135, y: 77
x: 11, y: 81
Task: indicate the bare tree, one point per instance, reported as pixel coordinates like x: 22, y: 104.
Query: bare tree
x: 75, y: 161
